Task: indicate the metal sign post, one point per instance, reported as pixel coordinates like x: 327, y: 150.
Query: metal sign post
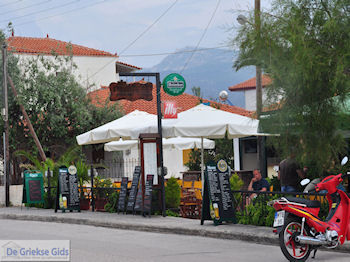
x: 6, y: 133
x: 159, y: 114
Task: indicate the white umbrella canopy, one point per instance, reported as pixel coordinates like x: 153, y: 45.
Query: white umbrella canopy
x: 206, y: 121
x: 118, y: 128
x: 180, y: 143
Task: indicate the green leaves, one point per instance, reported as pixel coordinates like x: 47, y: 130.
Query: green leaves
x: 172, y: 193
x: 57, y: 105
x: 304, y: 47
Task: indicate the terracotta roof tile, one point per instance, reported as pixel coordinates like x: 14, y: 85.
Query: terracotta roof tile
x: 183, y: 102
x: 45, y: 46
x: 251, y: 84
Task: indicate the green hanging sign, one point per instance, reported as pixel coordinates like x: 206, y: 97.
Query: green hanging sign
x: 33, y: 187
x: 174, y: 84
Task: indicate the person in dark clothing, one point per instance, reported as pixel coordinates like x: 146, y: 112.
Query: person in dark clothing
x: 257, y: 184
x: 289, y: 174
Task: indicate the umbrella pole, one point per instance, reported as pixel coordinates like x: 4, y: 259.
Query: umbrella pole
x: 202, y: 163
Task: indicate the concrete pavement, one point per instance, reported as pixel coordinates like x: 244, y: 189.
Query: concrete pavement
x: 174, y: 225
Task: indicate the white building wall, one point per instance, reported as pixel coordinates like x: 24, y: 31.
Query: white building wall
x: 91, y: 71
x: 16, y: 193
x: 96, y: 71
x: 250, y: 98
x: 173, y: 160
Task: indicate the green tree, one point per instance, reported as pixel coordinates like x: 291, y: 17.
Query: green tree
x: 304, y: 47
x: 223, y: 150
x: 57, y: 105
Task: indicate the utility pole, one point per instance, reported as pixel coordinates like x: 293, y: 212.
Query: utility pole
x: 258, y: 68
x: 6, y: 126
x: 260, y: 140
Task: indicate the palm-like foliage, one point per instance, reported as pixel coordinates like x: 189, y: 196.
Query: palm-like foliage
x: 73, y: 156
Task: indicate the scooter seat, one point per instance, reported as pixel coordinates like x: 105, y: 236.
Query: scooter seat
x: 308, y: 203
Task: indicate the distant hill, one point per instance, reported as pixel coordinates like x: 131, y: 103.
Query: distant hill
x: 211, y: 70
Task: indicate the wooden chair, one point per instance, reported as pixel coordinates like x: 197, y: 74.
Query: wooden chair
x: 191, y: 199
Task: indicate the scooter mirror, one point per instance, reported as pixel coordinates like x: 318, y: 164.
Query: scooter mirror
x: 305, y: 181
x: 344, y: 161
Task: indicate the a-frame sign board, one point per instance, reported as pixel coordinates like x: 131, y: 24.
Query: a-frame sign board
x: 134, y: 188
x: 33, y: 187
x: 217, y: 196
x: 67, y: 197
x: 147, y: 208
x: 122, y: 195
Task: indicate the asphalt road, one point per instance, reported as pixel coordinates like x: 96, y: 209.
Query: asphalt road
x: 90, y: 243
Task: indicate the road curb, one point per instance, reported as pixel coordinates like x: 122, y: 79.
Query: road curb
x: 150, y: 228
x: 258, y: 237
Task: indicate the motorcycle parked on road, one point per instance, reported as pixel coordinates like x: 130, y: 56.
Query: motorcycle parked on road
x: 299, y: 228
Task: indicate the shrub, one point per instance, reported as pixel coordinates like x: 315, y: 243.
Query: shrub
x: 236, y: 184
x: 104, y: 184
x: 172, y: 193
x: 112, y: 203
x: 258, y: 213
x: 171, y: 213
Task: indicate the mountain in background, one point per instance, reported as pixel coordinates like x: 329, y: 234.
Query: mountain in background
x: 210, y: 69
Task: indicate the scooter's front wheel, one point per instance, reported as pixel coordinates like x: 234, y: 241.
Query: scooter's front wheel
x: 291, y: 249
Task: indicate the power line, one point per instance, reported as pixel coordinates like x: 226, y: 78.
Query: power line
x: 29, y: 6
x: 62, y: 13
x: 41, y: 11
x: 203, y: 34
x: 149, y: 27
x: 13, y: 2
x: 137, y: 38
x: 177, y: 52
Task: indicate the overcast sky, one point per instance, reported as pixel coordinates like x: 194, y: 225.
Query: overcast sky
x: 128, y: 27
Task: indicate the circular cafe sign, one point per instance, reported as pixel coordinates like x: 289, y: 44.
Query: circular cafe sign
x: 174, y: 84
x: 72, y: 170
x: 222, y: 165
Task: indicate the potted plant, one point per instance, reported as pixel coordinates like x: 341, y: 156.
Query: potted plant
x: 82, y: 173
x: 101, y: 192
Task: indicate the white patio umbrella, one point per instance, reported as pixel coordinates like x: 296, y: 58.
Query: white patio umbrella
x: 118, y: 128
x: 180, y: 143
x: 205, y: 121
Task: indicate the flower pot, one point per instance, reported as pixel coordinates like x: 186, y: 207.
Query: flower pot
x: 100, y: 204
x: 84, y: 204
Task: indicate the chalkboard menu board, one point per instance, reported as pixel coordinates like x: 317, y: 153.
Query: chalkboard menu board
x: 133, y: 190
x: 122, y: 194
x: 217, y: 196
x: 67, y: 197
x: 33, y: 188
x: 148, y: 195
x: 138, y: 202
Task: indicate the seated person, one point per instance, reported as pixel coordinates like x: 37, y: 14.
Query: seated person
x: 257, y: 184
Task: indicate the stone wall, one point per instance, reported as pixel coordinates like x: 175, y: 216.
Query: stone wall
x: 16, y: 192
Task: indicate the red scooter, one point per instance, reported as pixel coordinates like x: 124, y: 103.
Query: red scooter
x: 299, y: 228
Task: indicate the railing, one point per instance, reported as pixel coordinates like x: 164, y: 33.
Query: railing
x: 118, y: 168
x: 256, y: 211
x: 268, y: 195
